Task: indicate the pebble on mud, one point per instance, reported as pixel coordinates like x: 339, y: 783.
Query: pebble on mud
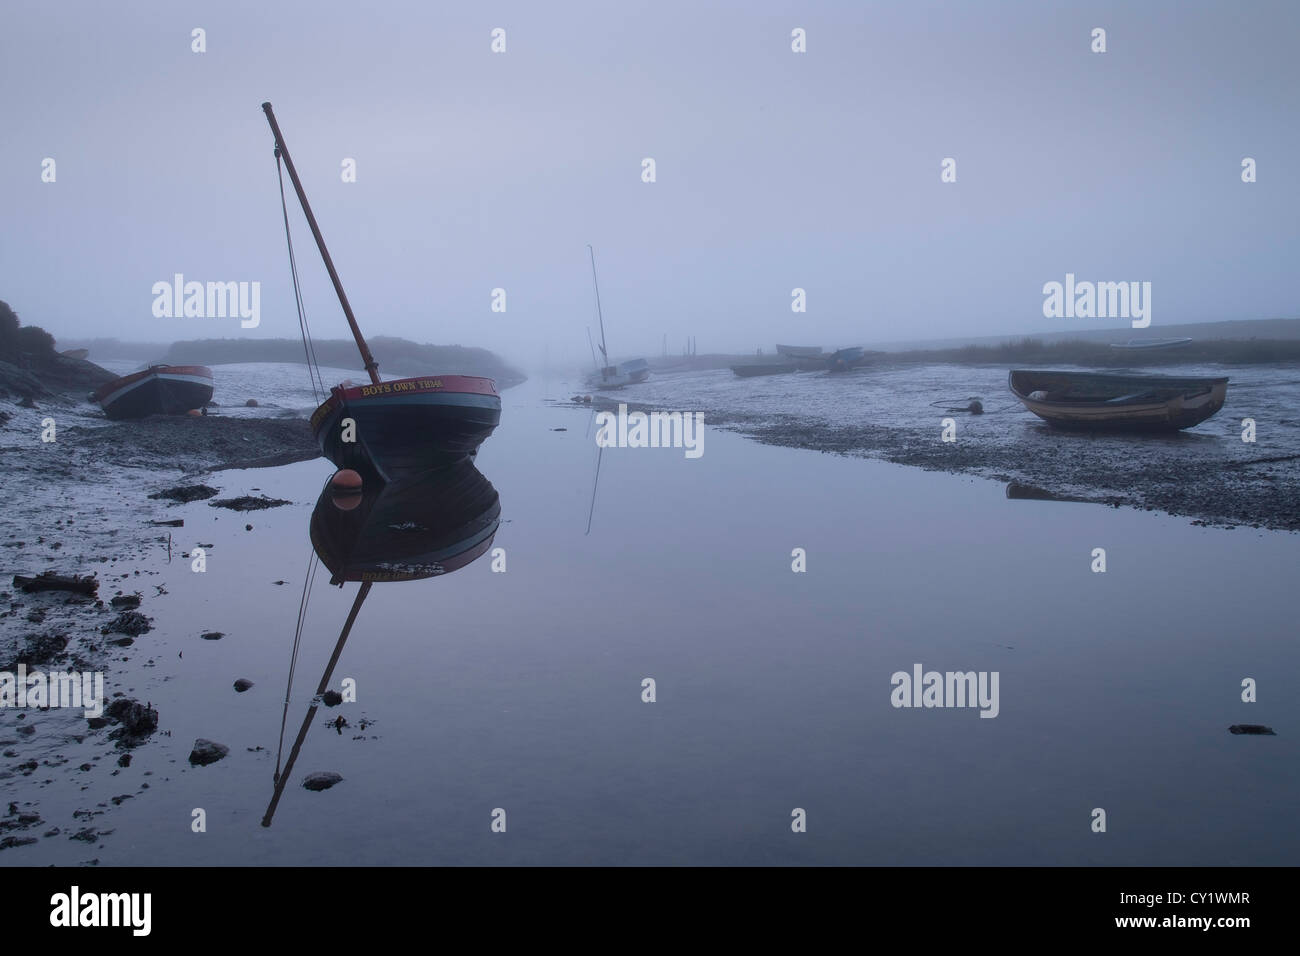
x: 206, y: 752
x: 212, y: 635
x: 321, y: 781
x: 1257, y: 729
x: 242, y: 685
x: 331, y: 698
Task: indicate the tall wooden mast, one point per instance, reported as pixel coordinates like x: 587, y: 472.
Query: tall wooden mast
x: 369, y: 360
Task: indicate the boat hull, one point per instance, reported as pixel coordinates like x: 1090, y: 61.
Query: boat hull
x: 158, y: 390
x: 619, y: 376
x: 845, y: 359
x: 1097, y: 401
x: 1137, y: 345
x: 405, y: 427
x: 801, y: 351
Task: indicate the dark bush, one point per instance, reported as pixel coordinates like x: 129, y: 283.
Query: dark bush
x: 8, y: 329
x: 34, y: 340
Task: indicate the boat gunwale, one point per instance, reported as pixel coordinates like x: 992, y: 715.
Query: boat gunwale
x: 106, y: 390
x: 1177, y: 387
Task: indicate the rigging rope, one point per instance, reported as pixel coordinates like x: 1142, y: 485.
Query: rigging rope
x: 307, y: 583
x: 309, y: 348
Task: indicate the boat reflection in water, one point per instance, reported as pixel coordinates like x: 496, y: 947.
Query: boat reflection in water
x: 421, y: 527
x: 406, y: 530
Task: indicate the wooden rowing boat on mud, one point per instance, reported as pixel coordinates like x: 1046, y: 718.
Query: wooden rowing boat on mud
x: 1099, y: 400
x: 801, y: 351
x: 157, y: 390
x: 1147, y: 345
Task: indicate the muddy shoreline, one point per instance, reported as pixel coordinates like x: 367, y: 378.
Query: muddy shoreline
x: 1246, y: 486
x: 82, y: 505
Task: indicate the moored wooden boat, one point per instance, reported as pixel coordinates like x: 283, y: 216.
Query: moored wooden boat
x: 609, y: 377
x: 407, y: 426
x: 397, y: 428
x: 617, y: 376
x: 1124, y: 402
x: 844, y: 359
x: 800, y: 351
x: 1142, y: 345
x: 157, y: 390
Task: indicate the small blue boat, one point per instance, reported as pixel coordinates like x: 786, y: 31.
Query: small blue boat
x: 844, y: 359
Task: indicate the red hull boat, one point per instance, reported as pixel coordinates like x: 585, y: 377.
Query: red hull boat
x: 397, y: 428
x: 158, y: 390
x: 408, y: 426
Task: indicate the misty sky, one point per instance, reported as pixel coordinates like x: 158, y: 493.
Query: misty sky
x: 775, y: 170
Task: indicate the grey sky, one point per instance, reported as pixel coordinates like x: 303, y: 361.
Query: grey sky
x: 775, y: 169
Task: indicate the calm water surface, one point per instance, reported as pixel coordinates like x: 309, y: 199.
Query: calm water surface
x: 522, y: 690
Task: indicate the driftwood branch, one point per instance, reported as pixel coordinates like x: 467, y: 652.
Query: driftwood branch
x: 49, y: 581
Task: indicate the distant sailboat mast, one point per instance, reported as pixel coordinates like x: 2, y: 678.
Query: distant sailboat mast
x: 604, y: 353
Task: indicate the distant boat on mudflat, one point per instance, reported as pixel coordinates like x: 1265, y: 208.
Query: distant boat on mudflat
x: 844, y: 359
x: 1144, y: 344
x: 630, y: 372
x: 800, y: 351
x: 158, y: 390
x: 1126, y: 402
x: 81, y: 354
x: 609, y: 377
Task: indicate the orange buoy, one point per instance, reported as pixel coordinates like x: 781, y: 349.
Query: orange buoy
x: 346, y: 480
x: 346, y: 500
x: 345, y: 489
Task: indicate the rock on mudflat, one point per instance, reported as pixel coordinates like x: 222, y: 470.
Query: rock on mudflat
x: 242, y: 684
x: 321, y: 781
x: 1252, y: 729
x: 206, y: 752
x: 186, y: 493
x: 249, y: 503
x: 137, y: 721
x: 331, y: 698
x: 131, y: 623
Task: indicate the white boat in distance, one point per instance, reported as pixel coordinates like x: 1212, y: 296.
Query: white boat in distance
x: 1142, y: 344
x: 609, y: 376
